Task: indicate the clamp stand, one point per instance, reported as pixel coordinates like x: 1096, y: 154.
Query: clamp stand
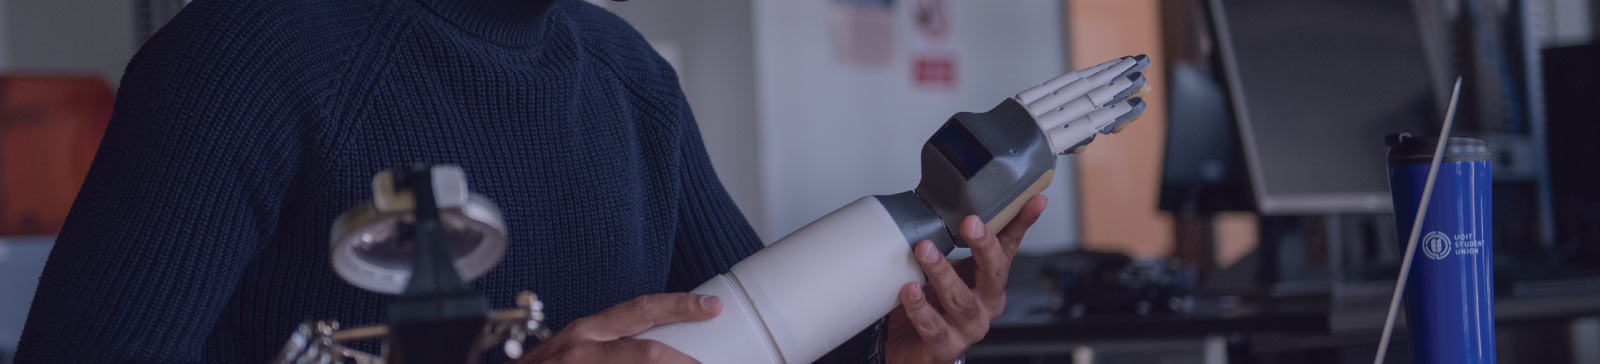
x: 437, y: 318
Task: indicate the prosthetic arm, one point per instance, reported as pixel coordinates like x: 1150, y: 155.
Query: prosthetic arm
x: 807, y: 293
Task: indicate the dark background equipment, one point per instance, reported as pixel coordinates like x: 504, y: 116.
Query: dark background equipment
x: 1572, y: 90
x: 1312, y: 109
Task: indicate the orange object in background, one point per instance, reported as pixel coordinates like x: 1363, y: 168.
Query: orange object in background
x: 1119, y: 183
x: 50, y: 127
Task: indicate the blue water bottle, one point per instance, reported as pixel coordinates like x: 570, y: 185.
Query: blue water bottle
x: 1450, y: 295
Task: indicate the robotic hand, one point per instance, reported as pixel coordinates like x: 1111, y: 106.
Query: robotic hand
x: 807, y: 293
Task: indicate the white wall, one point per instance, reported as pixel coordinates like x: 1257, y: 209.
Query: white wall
x: 67, y: 36
x: 832, y: 132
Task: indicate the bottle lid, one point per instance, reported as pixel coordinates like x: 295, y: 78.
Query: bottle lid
x: 1407, y: 149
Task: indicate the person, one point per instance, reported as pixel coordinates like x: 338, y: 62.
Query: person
x: 242, y: 128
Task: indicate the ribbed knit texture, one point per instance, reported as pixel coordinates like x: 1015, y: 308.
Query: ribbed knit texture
x: 243, y: 128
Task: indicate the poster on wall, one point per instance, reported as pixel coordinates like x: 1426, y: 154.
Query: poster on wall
x: 933, y: 59
x: 862, y: 32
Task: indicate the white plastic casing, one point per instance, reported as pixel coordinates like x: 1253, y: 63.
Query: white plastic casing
x: 805, y: 294
x: 734, y: 336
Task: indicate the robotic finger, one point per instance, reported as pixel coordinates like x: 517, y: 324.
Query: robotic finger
x: 1081, y: 86
x: 1033, y: 94
x: 1118, y: 90
x: 1078, y: 133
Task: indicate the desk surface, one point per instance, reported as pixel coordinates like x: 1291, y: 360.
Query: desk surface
x: 1268, y: 317
x: 1027, y: 320
x: 1204, y: 321
x: 1027, y: 317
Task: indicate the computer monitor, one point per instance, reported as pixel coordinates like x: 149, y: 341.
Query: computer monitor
x: 1314, y: 86
x: 1202, y: 167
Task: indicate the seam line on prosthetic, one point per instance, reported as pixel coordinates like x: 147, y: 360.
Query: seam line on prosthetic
x: 772, y: 341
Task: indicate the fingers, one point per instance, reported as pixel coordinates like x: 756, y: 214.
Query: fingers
x: 1124, y: 75
x: 1057, y: 109
x: 1106, y: 120
x: 603, y: 337
x: 617, y: 351
x: 927, y: 321
x: 642, y: 313
x: 1033, y: 94
x: 1118, y: 116
x: 1055, y: 118
x: 992, y: 263
x: 1118, y: 89
x: 1088, y: 102
x: 1071, y: 139
x: 1011, y: 236
x: 958, y: 301
x: 635, y: 351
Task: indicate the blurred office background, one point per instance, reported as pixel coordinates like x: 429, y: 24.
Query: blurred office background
x: 1213, y: 230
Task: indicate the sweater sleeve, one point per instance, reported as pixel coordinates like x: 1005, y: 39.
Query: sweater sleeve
x: 186, y: 184
x: 712, y: 233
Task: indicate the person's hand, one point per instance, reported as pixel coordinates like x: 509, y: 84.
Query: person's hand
x: 935, y: 324
x: 603, y: 337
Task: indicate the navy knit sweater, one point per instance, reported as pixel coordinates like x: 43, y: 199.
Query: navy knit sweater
x: 243, y: 128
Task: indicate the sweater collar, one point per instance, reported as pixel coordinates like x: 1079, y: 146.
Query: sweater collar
x: 504, y: 22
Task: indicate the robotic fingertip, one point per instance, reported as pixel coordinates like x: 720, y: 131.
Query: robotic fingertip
x: 1137, y: 84
x: 1136, y: 108
x: 1140, y: 63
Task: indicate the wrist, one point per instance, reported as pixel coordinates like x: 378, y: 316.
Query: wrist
x: 879, y: 353
x: 880, y: 342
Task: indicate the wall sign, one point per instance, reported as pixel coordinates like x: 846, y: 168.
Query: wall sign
x: 933, y: 60
x: 862, y: 32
